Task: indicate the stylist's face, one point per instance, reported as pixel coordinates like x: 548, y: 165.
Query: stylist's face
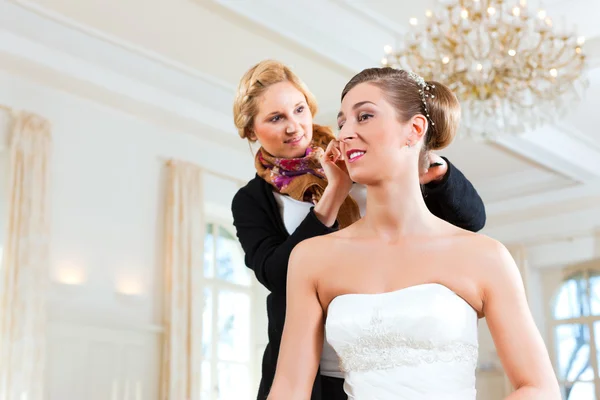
x: 283, y: 125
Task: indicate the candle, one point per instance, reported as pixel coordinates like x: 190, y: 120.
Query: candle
x: 138, y: 390
x: 126, y: 395
x: 115, y: 389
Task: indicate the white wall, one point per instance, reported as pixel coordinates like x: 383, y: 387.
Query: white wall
x: 108, y: 177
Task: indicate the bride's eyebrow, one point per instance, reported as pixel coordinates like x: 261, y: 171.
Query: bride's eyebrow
x: 357, y: 105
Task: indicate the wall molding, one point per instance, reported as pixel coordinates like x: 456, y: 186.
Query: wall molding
x: 116, y: 41
x: 81, y: 53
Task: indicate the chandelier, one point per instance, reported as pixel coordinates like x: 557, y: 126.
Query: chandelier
x: 511, y: 69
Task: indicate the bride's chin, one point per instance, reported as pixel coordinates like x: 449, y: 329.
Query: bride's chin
x: 363, y: 179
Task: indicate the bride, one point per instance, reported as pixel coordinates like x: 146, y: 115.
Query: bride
x: 399, y: 293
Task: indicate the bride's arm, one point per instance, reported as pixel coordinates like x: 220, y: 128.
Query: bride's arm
x: 302, y: 339
x: 520, y: 346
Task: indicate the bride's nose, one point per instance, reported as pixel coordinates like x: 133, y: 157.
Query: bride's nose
x: 346, y: 136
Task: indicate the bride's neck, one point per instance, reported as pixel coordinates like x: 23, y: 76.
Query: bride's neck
x: 396, y: 208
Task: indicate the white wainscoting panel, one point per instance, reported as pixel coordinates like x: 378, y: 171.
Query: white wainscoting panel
x: 87, y: 362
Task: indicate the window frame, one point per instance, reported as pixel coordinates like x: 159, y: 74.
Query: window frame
x: 585, y: 271
x: 216, y: 286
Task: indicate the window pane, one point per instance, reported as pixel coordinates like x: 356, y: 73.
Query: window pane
x: 234, y: 382
x: 573, y: 351
x: 207, y: 324
x: 230, y: 259
x: 578, y: 391
x: 206, y: 386
x: 597, y: 340
x: 595, y: 293
x: 209, y: 252
x: 234, y: 326
x: 572, y: 299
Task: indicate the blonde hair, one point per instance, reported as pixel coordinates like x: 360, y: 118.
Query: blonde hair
x: 253, y: 84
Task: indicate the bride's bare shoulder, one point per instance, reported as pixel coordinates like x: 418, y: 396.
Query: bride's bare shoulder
x: 484, y: 245
x: 320, y: 250
x: 311, y: 251
x: 491, y: 261
x: 481, y: 247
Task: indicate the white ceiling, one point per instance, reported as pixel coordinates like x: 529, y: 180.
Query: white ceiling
x: 180, y: 60
x: 579, y: 14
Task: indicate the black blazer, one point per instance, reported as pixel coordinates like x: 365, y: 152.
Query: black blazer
x: 267, y: 245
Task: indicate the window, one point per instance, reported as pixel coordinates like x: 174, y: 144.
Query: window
x: 227, y: 363
x: 576, y: 330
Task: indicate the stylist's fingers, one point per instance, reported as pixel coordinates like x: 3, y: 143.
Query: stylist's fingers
x: 333, y: 153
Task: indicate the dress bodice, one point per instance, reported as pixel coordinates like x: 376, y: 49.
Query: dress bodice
x: 415, y: 343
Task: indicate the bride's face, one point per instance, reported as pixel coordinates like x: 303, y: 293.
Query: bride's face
x: 373, y: 140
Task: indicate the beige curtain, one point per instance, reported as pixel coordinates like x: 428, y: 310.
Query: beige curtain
x: 24, y: 271
x: 184, y: 240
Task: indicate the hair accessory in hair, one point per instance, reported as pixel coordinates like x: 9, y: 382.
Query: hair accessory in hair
x: 417, y: 78
x: 425, y: 92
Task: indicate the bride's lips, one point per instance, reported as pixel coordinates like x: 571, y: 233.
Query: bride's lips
x: 294, y: 140
x: 354, y: 154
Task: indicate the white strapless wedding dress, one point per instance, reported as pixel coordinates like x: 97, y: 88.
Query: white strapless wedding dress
x: 415, y: 343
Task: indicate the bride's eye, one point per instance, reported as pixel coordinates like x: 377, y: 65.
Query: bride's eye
x: 364, y: 116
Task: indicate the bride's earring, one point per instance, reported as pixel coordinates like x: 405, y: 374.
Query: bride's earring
x: 408, y: 141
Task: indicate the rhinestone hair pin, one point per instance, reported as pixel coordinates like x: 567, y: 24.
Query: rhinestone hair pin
x: 424, y: 91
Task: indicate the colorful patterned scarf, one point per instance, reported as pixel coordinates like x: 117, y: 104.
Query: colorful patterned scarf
x: 303, y: 178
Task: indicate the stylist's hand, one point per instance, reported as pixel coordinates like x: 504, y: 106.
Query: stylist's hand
x: 435, y: 172
x: 335, y: 168
x: 338, y: 186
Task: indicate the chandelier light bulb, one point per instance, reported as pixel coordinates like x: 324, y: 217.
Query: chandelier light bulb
x: 479, y: 67
x: 428, y: 13
x: 553, y: 73
x: 413, y: 21
x: 512, y: 52
x: 548, y: 21
x: 523, y: 3
x: 516, y: 11
x: 542, y: 14
x: 491, y: 10
x: 445, y: 59
x: 581, y: 40
x: 464, y: 14
x: 387, y: 49
x: 384, y: 61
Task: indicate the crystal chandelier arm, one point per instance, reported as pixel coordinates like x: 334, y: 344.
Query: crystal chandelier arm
x: 508, y: 67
